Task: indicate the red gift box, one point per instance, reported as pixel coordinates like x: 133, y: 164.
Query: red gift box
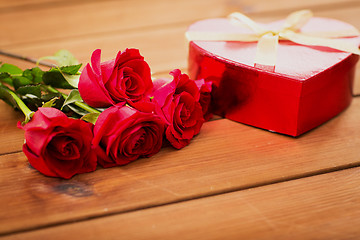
x: 309, y: 86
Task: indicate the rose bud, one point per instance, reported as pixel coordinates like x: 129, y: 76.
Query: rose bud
x: 125, y: 79
x: 59, y: 146
x: 124, y: 134
x: 177, y: 102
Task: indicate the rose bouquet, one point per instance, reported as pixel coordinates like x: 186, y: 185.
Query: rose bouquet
x: 114, y: 114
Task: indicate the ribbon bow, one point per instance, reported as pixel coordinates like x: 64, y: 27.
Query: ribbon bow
x: 268, y: 39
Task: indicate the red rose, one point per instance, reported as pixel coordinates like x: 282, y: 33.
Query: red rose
x: 205, y: 97
x: 125, y: 134
x: 125, y: 79
x: 187, y: 120
x: 59, y: 146
x: 177, y: 102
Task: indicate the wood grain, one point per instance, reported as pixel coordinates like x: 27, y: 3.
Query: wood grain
x: 321, y: 207
x: 226, y: 156
x: 273, y: 7
x: 162, y: 55
x: 172, y: 53
x: 21, y: 4
x: 246, y: 6
x: 52, y: 20
x: 356, y: 88
x: 11, y: 138
x: 102, y: 17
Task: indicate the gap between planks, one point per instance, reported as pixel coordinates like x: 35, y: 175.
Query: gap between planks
x: 269, y: 169
x: 174, y: 50
x: 23, y: 5
x: 247, y: 6
x: 235, y: 190
x: 151, y: 21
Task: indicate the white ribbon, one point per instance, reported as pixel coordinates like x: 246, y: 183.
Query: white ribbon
x: 268, y: 39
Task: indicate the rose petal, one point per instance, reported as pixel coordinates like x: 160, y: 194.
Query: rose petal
x: 107, y: 69
x: 128, y: 55
x: 37, y: 162
x: 128, y: 135
x: 184, y: 84
x: 95, y: 62
x: 91, y: 82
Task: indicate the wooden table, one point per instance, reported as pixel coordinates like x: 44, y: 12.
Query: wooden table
x: 232, y: 182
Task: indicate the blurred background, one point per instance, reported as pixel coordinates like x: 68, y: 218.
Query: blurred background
x: 38, y: 28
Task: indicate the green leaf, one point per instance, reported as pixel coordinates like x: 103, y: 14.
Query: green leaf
x: 50, y: 103
x: 27, y: 73
x: 56, y: 79
x: 38, y: 74
x: 29, y: 89
x: 34, y: 74
x: 90, y: 117
x: 5, y: 77
x: 49, y: 96
x: 20, y: 81
x: 9, y: 68
x: 65, y: 58
x: 74, y: 96
x: 73, y: 80
x: 77, y: 110
x: 32, y: 101
x: 62, y: 57
x: 72, y: 69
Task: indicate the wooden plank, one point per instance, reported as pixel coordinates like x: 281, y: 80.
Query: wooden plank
x: 13, y: 5
x: 118, y: 16
x: 225, y: 156
x: 102, y: 17
x: 162, y: 54
x: 11, y: 138
x: 246, y: 6
x: 261, y: 7
x: 320, y: 207
x: 21, y: 63
x: 17, y: 5
x: 356, y: 90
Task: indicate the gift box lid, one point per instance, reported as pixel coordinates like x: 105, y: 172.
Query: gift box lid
x: 295, y: 61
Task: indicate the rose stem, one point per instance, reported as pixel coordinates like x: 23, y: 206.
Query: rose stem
x: 26, y: 111
x: 24, y: 58
x: 77, y: 103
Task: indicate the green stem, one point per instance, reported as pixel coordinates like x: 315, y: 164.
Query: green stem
x: 86, y: 107
x: 20, y: 103
x: 24, y: 58
x: 50, y: 88
x: 77, y: 103
x: 26, y: 111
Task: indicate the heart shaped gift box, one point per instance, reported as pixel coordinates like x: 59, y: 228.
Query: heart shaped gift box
x: 310, y: 84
